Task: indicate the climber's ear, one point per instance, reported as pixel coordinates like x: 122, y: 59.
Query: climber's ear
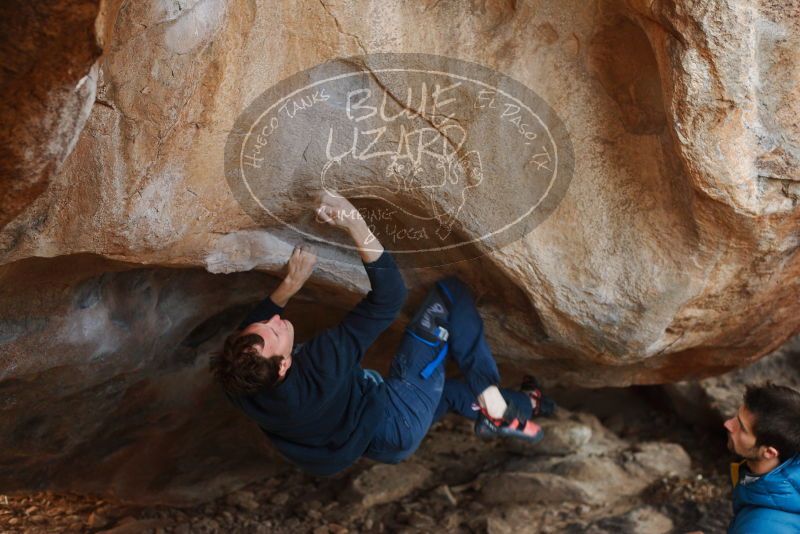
x: 767, y: 453
x: 283, y: 366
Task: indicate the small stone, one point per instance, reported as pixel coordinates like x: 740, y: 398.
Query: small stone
x: 107, y: 510
x: 30, y: 510
x: 663, y: 458
x: 322, y: 529
x: 52, y: 512
x: 96, y: 520
x: 561, y: 437
x: 419, y: 520
x: 532, y: 487
x: 336, y: 528
x: 208, y: 525
x: 452, y: 522
x: 647, y: 520
x: 385, y: 483
x: 244, y: 500
x: 444, y: 493
x: 14, y: 521
x: 280, y: 498
x: 495, y: 525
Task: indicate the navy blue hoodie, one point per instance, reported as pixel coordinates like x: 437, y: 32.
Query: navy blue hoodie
x: 323, y: 415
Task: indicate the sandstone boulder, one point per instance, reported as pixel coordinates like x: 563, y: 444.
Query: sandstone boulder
x: 669, y: 257
x: 599, y: 478
x: 386, y: 483
x: 560, y: 438
x: 673, y: 254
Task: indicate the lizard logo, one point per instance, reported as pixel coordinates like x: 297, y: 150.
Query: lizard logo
x: 446, y: 160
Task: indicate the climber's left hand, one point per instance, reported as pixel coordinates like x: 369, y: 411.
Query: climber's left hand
x: 301, y: 265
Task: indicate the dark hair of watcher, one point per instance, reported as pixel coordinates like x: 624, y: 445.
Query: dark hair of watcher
x: 241, y: 369
x: 777, y: 417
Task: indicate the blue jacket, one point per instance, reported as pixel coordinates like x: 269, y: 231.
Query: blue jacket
x: 323, y: 415
x: 770, y: 504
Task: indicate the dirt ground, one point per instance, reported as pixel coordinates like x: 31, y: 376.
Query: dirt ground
x: 448, y: 500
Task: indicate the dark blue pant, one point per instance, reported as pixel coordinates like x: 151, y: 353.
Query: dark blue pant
x: 414, y: 402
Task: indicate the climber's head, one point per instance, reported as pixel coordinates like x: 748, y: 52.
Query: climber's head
x: 767, y: 424
x: 255, y: 358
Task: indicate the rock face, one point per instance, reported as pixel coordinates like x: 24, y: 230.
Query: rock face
x: 712, y: 400
x: 599, y: 472
x: 673, y: 254
x: 384, y: 483
x: 124, y: 406
x: 47, y: 55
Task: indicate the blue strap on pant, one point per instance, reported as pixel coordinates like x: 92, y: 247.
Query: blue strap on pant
x: 428, y: 370
x: 442, y: 335
x: 431, y: 367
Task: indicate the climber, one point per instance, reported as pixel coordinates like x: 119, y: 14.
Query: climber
x: 765, y: 432
x: 322, y: 411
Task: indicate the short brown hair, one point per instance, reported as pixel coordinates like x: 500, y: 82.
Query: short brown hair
x: 777, y: 417
x: 241, y: 369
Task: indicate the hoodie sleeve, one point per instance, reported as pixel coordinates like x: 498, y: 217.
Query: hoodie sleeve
x: 339, y: 349
x: 263, y: 311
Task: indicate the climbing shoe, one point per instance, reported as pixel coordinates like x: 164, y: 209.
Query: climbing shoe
x: 543, y: 406
x: 512, y: 425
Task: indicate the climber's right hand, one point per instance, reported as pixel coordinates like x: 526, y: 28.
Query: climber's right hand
x: 337, y: 211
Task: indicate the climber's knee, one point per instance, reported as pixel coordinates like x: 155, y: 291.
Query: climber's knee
x: 431, y: 319
x: 454, y: 289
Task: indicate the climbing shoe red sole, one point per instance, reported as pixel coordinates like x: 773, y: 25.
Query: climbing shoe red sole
x: 488, y: 428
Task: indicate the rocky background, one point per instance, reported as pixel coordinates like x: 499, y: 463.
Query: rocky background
x: 639, y: 460
x: 583, y: 477
x: 674, y: 255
